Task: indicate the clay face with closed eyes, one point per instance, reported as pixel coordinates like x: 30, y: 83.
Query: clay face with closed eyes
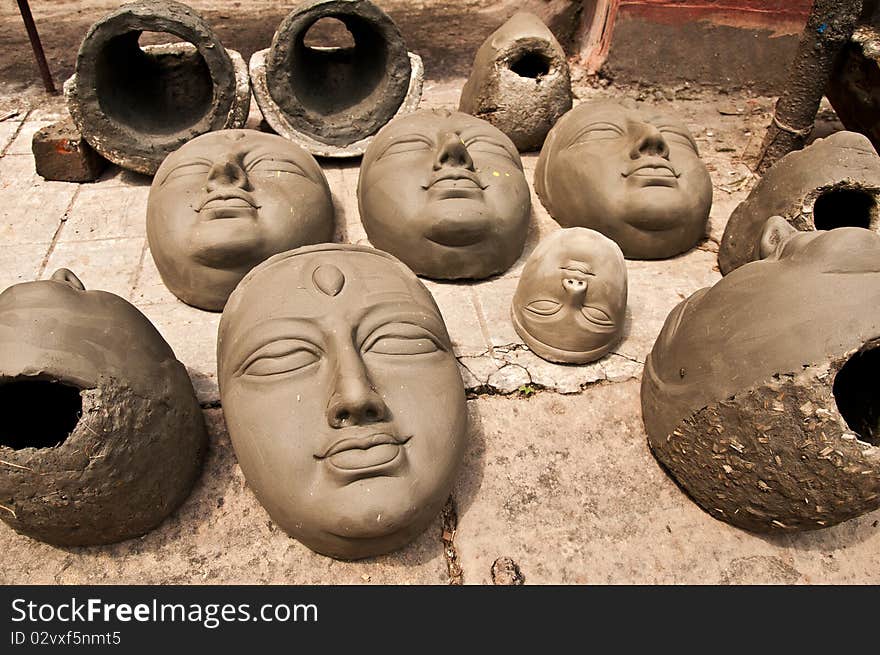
x: 445, y: 193
x: 570, y: 303
x: 226, y: 201
x: 632, y: 175
x: 343, y: 398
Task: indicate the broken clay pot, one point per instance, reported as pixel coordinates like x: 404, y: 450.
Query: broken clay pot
x: 332, y: 99
x: 225, y: 202
x: 102, y: 436
x: 135, y: 105
x: 631, y: 174
x: 323, y: 357
x: 832, y: 183
x: 760, y: 395
x: 445, y: 193
x: 570, y: 303
x: 520, y: 81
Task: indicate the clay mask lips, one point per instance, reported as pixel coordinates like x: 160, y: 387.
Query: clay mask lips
x: 230, y: 203
x: 366, y: 452
x: 653, y: 172
x: 455, y: 183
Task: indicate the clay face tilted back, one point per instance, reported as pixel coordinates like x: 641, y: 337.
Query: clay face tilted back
x: 570, y: 302
x: 633, y: 175
x: 445, y: 193
x: 102, y: 436
x: 342, y: 397
x: 760, y: 395
x: 834, y: 182
x: 225, y: 202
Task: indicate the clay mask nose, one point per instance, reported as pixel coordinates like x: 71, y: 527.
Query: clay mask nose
x: 227, y: 172
x: 354, y: 400
x: 649, y: 141
x: 576, y: 290
x: 452, y: 153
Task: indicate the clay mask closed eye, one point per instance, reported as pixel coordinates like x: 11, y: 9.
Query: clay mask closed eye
x: 633, y: 176
x: 323, y: 355
x: 570, y: 303
x: 445, y: 193
x: 225, y: 202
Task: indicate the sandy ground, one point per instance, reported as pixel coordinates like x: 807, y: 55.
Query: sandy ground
x: 558, y: 476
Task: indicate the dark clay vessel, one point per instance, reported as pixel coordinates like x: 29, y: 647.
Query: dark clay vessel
x: 631, y: 174
x: 445, y: 192
x: 520, y: 81
x: 832, y: 183
x: 342, y: 396
x: 225, y: 202
x: 136, y: 105
x: 570, y: 303
x: 338, y: 95
x: 760, y: 396
x: 102, y: 436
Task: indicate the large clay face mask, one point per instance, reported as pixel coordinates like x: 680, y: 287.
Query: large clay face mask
x: 102, y: 436
x: 634, y: 176
x: 225, y: 202
x: 343, y: 398
x: 760, y: 395
x: 446, y: 194
x: 570, y: 303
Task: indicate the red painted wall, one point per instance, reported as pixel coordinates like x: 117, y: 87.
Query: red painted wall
x: 787, y: 16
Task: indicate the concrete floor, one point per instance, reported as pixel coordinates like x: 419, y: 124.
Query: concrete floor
x: 558, y: 476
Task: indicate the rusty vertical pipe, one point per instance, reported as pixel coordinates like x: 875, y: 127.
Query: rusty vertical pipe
x: 39, y: 55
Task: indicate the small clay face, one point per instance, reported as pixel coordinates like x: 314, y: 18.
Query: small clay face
x: 634, y: 176
x: 570, y: 303
x: 445, y: 193
x: 342, y: 397
x: 760, y: 399
x: 225, y: 202
x: 103, y: 436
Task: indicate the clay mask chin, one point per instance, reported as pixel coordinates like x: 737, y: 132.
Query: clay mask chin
x: 570, y: 303
x: 342, y: 397
x: 225, y: 202
x: 634, y: 176
x: 445, y: 192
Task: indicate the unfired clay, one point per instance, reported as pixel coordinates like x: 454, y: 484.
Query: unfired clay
x: 225, y: 202
x: 832, y: 183
x: 445, y: 193
x: 102, y: 436
x: 342, y: 397
x: 136, y: 105
x: 633, y: 175
x: 331, y: 100
x: 760, y: 396
x: 519, y: 81
x: 570, y: 302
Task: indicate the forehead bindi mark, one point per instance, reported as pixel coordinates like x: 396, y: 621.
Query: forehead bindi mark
x: 328, y: 279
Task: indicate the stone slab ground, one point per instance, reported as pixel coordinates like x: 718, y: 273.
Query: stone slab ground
x: 558, y: 475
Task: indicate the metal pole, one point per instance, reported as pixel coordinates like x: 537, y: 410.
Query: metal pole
x: 40, y: 56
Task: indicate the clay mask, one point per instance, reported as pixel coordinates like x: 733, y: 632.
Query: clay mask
x: 445, y: 192
x: 760, y: 395
x: 102, y: 436
x: 632, y: 175
x: 570, y: 302
x: 225, y: 202
x: 342, y: 397
x: 835, y: 182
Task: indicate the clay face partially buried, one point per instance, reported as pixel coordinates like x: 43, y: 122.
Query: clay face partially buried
x: 102, y: 436
x: 445, y: 193
x: 760, y: 395
x: 343, y: 398
x: 225, y: 202
x: 570, y: 302
x: 633, y: 175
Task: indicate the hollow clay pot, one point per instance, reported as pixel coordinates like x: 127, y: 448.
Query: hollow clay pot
x: 103, y: 437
